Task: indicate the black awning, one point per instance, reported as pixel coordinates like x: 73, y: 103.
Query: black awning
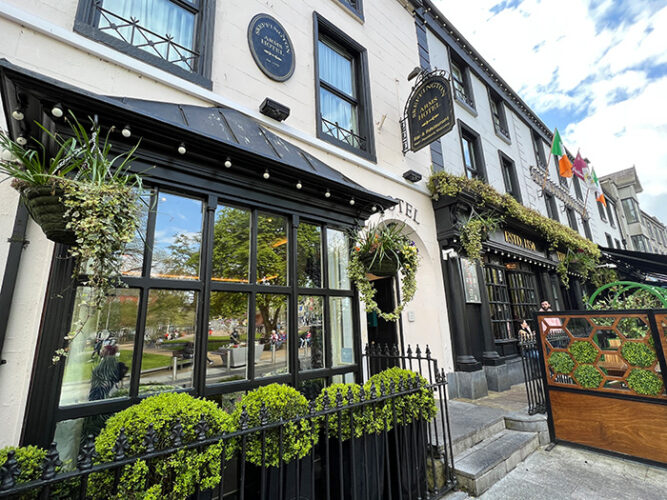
x: 218, y: 131
x: 651, y: 265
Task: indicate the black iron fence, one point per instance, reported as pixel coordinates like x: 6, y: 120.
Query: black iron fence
x: 402, y: 459
x: 532, y: 373
x: 439, y: 441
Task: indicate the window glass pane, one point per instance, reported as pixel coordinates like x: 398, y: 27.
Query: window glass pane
x: 162, y: 17
x: 345, y: 378
x: 271, y: 249
x: 133, y: 258
x: 309, y: 255
x: 100, y: 356
x: 231, y: 244
x: 271, y: 331
x: 341, y: 328
x: 177, y: 237
x: 338, y: 250
x: 311, y: 334
x: 335, y: 69
x: 227, y: 344
x: 169, y: 345
x: 338, y: 111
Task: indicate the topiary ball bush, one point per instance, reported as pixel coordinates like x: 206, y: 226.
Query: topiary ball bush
x: 638, y: 354
x: 645, y: 382
x: 587, y: 376
x: 364, y: 420
x: 409, y: 408
x: 561, y: 362
x: 281, y: 402
x: 583, y: 352
x: 174, y: 476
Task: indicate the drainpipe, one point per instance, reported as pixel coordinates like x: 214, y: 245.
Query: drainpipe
x: 16, y: 244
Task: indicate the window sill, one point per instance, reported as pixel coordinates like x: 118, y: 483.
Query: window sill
x: 358, y: 15
x: 469, y: 108
x: 505, y: 138
x: 347, y: 147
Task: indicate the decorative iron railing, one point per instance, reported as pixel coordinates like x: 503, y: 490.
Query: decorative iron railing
x: 343, y: 134
x: 502, y: 131
x: 160, y: 45
x: 530, y: 360
x: 461, y: 96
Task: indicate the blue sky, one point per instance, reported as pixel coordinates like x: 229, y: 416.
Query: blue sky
x: 596, y: 69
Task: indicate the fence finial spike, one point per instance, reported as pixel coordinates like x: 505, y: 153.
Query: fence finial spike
x: 428, y: 352
x: 325, y: 400
x: 120, y: 446
x: 86, y: 453
x: 52, y: 462
x: 374, y: 393
x: 150, y: 439
x: 418, y: 351
x: 243, y: 418
x: 201, y: 428
x: 350, y: 396
x: 362, y: 394
x: 401, y: 384
x: 392, y: 386
x: 312, y: 407
x: 383, y: 388
x: 9, y: 471
x: 263, y: 414
x: 409, y: 351
x: 177, y: 433
x: 339, y: 398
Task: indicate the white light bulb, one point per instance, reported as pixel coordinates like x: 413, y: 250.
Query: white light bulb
x: 228, y: 163
x: 57, y: 111
x: 17, y: 114
x: 327, y: 194
x: 181, y: 149
x: 352, y: 201
x: 126, y: 131
x: 374, y: 208
x: 266, y: 174
x: 21, y: 141
x: 299, y: 185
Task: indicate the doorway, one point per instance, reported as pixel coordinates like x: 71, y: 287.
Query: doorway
x: 380, y: 331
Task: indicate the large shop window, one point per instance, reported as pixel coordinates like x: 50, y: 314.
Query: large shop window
x: 343, y: 96
x: 218, y: 298
x: 175, y: 35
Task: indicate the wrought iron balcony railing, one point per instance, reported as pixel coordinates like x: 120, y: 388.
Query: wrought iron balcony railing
x: 461, y: 96
x: 343, y: 135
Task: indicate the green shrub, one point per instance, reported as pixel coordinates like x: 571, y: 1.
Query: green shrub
x: 281, y: 402
x: 561, y: 362
x: 410, y: 407
x: 366, y: 420
x: 174, y: 476
x: 583, y: 352
x: 638, y: 354
x: 645, y: 382
x: 587, y: 376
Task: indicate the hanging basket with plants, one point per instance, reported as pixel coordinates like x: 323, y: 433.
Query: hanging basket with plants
x: 81, y: 196
x: 383, y: 250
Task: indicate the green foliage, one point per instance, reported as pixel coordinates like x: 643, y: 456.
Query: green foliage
x: 638, y: 354
x: 174, y: 476
x: 409, y: 408
x: 376, y: 244
x: 622, y: 296
x: 587, y: 376
x: 602, y: 276
x: 475, y: 231
x: 29, y: 460
x: 587, y: 253
x: 561, y: 362
x: 364, y: 420
x: 281, y: 402
x: 645, y: 382
x: 583, y: 352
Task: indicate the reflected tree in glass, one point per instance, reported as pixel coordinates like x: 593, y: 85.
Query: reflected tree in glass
x: 228, y: 330
x: 273, y: 333
x: 311, y: 332
x: 271, y: 250
x: 338, y: 253
x: 309, y: 255
x: 231, y: 244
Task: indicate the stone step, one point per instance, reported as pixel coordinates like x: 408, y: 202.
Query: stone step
x: 489, y: 461
x: 470, y: 424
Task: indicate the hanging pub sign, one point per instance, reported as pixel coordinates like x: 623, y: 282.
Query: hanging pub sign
x: 429, y: 112
x: 271, y: 47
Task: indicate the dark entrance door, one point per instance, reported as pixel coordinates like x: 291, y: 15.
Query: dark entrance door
x: 381, y: 332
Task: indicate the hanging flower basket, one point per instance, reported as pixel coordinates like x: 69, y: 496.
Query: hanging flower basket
x: 47, y: 209
x: 388, y: 266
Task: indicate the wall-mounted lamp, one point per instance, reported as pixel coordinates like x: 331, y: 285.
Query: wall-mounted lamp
x: 299, y: 185
x: 266, y: 174
x: 327, y: 194
x: 228, y: 162
x: 352, y: 201
x: 412, y: 176
x: 126, y: 132
x: 273, y: 109
x: 57, y: 111
x: 181, y: 149
x: 414, y: 73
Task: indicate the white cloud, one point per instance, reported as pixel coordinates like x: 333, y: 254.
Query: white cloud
x: 597, y: 60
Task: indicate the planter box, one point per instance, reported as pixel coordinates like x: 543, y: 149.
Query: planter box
x: 237, y: 356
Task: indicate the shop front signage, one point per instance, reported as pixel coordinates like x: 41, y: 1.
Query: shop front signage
x: 405, y: 208
x: 470, y: 281
x: 271, y: 47
x: 429, y: 112
x: 519, y: 241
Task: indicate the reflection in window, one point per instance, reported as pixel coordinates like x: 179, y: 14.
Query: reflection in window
x: 309, y: 255
x: 231, y: 244
x: 337, y: 256
x: 169, y: 340
x: 344, y: 378
x: 177, y: 237
x: 133, y: 259
x: 271, y: 249
x: 100, y: 356
x: 342, y: 331
x: 227, y: 342
x: 311, y: 334
x: 271, y: 331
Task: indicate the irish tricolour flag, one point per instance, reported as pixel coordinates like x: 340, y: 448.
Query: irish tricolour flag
x: 558, y: 150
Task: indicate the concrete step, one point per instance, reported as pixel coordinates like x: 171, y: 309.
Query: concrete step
x: 470, y: 424
x: 480, y: 467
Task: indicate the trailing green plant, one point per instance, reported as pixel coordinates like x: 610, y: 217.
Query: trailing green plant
x: 638, y: 354
x: 603, y: 276
x: 583, y: 352
x: 408, y: 408
x: 557, y: 235
x: 377, y: 244
x: 645, y: 382
x: 587, y: 376
x: 281, y: 402
x: 364, y: 420
x: 174, y: 476
x: 561, y: 362
x: 475, y: 231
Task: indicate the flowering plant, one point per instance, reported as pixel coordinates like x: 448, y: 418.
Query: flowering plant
x: 384, y: 249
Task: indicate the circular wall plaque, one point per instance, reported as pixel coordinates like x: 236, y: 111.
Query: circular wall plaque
x: 271, y: 47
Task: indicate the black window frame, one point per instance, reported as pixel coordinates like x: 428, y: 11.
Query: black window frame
x: 639, y: 241
x: 628, y: 213
x: 601, y: 211
x: 610, y: 241
x: 88, y: 15
x: 538, y: 149
x: 354, y: 6
x: 499, y: 116
x: 476, y: 153
x: 577, y: 188
x: 611, y: 208
x: 508, y: 171
x: 571, y: 218
x: 324, y: 29
x: 552, y: 206
x: 464, y: 94
x: 587, y: 228
x: 618, y: 243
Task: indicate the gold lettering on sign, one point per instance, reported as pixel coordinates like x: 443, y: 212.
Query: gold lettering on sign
x: 519, y: 241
